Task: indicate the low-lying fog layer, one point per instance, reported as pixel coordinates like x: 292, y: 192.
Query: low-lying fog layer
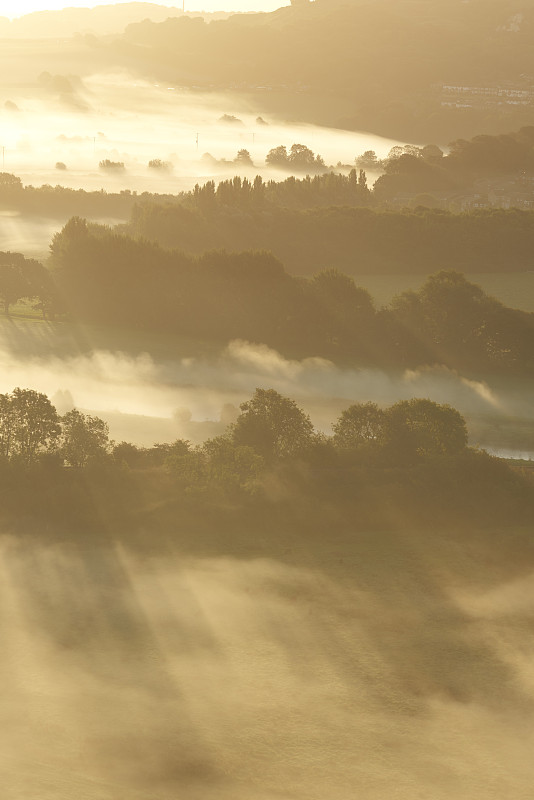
x: 180, y: 393
x: 152, y: 678
x: 121, y: 118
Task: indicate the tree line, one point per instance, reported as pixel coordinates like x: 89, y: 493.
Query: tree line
x: 108, y: 277
x: 412, y: 171
x: 61, y: 202
x: 410, y: 460
x: 358, y: 240
x: 270, y: 428
x: 407, y: 171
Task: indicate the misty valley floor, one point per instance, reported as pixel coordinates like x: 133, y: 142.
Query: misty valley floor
x: 224, y: 664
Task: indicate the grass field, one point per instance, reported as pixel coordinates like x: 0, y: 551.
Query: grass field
x: 216, y: 667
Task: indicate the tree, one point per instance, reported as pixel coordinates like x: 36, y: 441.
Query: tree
x: 6, y: 426
x: 398, y: 151
x: 129, y: 454
x: 452, y: 316
x: 10, y: 181
x: 432, y: 153
x: 112, y: 166
x: 235, y: 467
x: 302, y: 158
x: 347, y: 311
x: 161, y: 166
x: 13, y: 285
x: 360, y: 425
x: 340, y: 293
x: 274, y: 426
x: 258, y: 191
x: 22, y: 277
x: 277, y: 157
x: 243, y: 158
x: 29, y: 425
x: 368, y: 161
x: 84, y: 438
x: 421, y: 427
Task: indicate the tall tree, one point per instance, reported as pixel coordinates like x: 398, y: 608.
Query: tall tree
x: 360, y: 425
x: 29, y: 424
x: 83, y: 438
x: 273, y: 425
x: 421, y: 427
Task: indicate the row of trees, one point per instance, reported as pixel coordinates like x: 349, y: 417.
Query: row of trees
x: 107, y: 277
x: 404, y: 465
x: 299, y: 158
x: 61, y: 201
x: 270, y: 428
x: 327, y: 189
x: 407, y: 171
x: 413, y: 171
x: 359, y: 240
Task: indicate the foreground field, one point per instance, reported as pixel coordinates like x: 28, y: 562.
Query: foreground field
x: 226, y: 664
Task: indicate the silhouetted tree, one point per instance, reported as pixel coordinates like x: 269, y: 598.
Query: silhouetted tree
x: 421, y: 427
x: 235, y: 467
x: 160, y: 165
x: 112, y: 166
x: 84, y: 438
x: 243, y: 158
x: 273, y: 425
x: 360, y: 425
x: 277, y: 157
x: 29, y: 425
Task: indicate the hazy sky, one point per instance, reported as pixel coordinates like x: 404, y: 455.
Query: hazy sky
x: 16, y: 8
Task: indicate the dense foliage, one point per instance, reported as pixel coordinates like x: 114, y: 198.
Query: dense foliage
x: 358, y: 240
x: 112, y: 278
x: 403, y: 465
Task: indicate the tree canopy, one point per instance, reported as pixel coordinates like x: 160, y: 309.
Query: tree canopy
x: 273, y: 426
x: 29, y: 425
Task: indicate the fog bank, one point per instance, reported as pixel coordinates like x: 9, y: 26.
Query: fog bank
x: 82, y: 121
x: 183, y: 392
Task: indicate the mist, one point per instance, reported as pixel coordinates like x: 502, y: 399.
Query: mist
x: 268, y: 617
x: 176, y: 390
x: 82, y: 121
x: 144, y: 674
x: 79, y: 122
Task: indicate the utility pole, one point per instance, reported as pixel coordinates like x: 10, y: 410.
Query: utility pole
x: 197, y: 141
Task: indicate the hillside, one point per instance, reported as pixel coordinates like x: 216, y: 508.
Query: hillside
x: 102, y: 20
x: 412, y: 70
